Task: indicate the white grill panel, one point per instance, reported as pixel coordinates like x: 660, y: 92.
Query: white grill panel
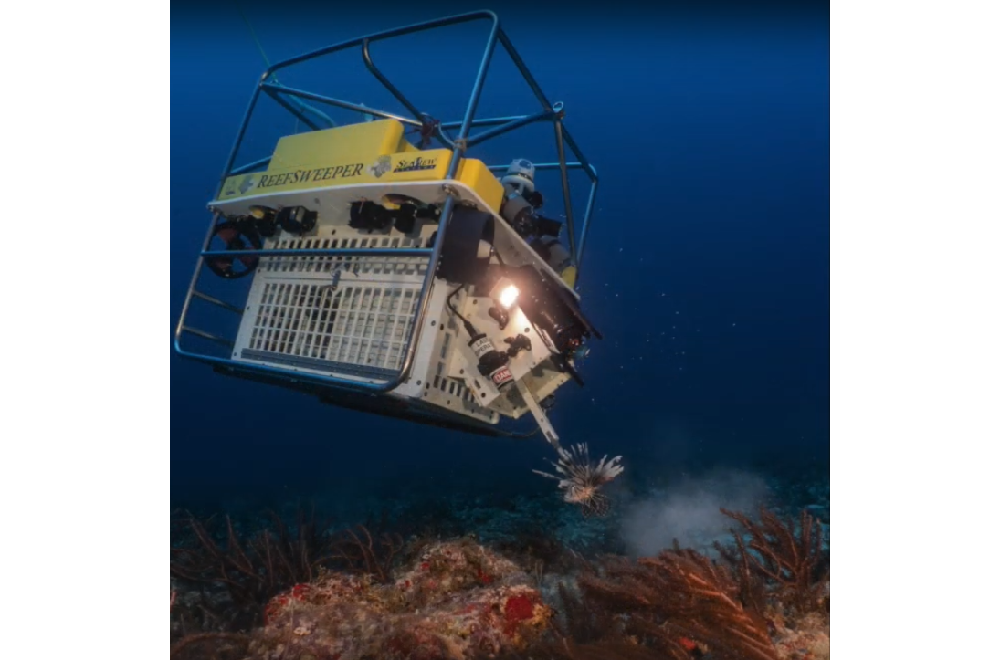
x: 341, y: 316
x: 359, y: 325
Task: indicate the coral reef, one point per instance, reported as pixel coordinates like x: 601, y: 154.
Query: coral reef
x: 237, y: 573
x: 358, y: 551
x: 766, y: 599
x: 681, y: 598
x: 458, y: 600
x: 808, y: 640
x: 787, y: 559
x: 521, y: 592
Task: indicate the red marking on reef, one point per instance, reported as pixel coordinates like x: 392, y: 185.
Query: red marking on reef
x: 299, y: 592
x: 517, y: 609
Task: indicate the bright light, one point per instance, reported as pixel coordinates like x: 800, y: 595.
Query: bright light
x: 505, y: 293
x: 508, y: 296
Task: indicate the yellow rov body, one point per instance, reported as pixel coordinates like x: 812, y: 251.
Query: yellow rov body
x: 399, y: 279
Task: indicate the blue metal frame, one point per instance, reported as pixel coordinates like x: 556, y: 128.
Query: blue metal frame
x: 459, y: 146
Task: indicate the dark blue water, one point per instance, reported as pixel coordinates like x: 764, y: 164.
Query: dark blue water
x: 707, y: 267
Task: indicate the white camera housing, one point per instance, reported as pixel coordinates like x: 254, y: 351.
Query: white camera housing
x: 520, y: 178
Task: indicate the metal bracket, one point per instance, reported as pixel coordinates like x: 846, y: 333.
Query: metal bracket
x: 536, y: 411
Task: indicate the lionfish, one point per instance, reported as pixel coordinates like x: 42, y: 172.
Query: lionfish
x: 581, y: 479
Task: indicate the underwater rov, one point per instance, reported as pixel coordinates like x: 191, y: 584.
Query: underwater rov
x: 401, y: 279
